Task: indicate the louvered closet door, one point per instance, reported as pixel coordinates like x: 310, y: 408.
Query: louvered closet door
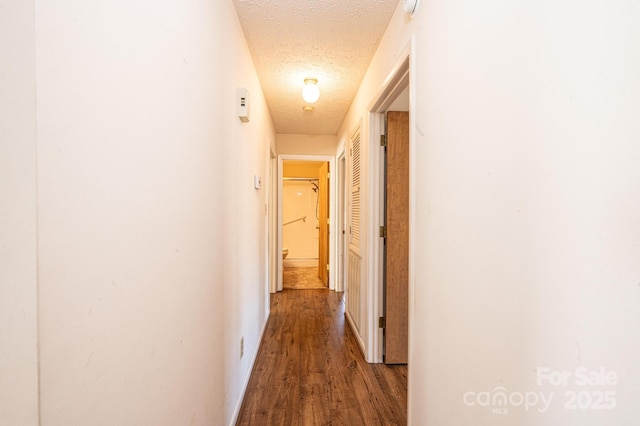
x: 355, y: 194
x: 353, y: 285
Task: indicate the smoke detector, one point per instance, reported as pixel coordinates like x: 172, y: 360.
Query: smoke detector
x: 410, y: 6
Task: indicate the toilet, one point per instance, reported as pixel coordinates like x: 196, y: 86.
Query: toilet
x: 285, y: 252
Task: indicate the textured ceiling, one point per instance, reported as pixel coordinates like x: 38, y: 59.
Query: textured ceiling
x: 331, y: 40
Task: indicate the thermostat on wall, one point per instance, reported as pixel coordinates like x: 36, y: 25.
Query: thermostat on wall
x: 243, y: 104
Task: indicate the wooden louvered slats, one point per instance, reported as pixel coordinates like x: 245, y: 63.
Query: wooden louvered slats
x: 355, y: 205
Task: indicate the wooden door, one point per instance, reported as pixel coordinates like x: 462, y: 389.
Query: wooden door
x: 323, y: 223
x: 397, y: 240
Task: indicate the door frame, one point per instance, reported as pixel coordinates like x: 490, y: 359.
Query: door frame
x: 341, y: 221
x: 333, y: 242
x: 272, y: 273
x: 397, y: 81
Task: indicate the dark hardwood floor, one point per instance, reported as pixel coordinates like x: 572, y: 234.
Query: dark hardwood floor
x: 310, y: 370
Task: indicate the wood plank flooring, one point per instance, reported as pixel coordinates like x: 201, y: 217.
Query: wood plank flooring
x: 310, y: 370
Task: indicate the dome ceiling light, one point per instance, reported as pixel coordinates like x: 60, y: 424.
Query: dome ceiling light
x: 310, y: 91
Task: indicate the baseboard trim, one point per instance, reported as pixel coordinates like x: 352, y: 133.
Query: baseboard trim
x: 300, y: 262
x: 236, y: 411
x: 356, y: 333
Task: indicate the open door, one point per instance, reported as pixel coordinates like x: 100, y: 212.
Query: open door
x: 396, y: 277
x: 323, y: 224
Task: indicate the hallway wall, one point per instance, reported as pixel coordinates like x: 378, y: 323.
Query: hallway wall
x: 18, y: 287
x: 306, y: 144
x: 150, y: 235
x: 525, y: 236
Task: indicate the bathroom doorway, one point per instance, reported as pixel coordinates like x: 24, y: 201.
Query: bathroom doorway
x: 305, y: 211
x: 305, y: 247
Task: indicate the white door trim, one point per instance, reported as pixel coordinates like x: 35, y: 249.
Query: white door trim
x: 341, y: 209
x: 333, y: 241
x: 397, y: 80
x: 273, y: 224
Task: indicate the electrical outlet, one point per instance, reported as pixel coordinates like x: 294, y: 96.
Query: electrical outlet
x: 241, y: 347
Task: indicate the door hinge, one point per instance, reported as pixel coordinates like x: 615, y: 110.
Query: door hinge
x: 327, y: 267
x: 383, y: 140
x: 328, y: 175
x: 383, y: 232
x: 382, y: 322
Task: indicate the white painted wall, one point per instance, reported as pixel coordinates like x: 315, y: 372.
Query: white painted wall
x: 151, y: 237
x: 245, y: 222
x: 526, y: 237
x: 306, y: 144
x: 18, y: 287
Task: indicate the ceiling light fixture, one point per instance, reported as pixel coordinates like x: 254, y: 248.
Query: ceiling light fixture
x: 310, y: 91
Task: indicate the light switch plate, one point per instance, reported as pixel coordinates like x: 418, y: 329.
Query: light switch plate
x: 257, y: 182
